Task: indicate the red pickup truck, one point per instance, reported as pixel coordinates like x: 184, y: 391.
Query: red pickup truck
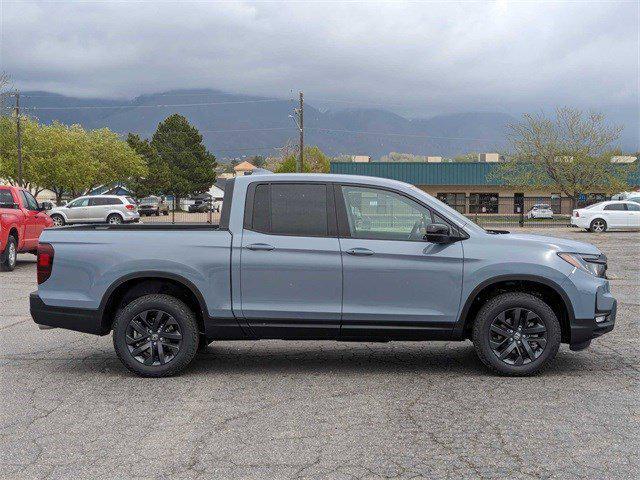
x: 22, y: 220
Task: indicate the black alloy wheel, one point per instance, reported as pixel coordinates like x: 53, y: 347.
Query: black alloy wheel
x: 156, y: 335
x: 516, y: 333
x: 518, y: 336
x: 153, y: 337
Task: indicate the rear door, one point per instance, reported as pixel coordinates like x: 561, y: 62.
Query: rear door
x: 97, y: 209
x: 291, y: 269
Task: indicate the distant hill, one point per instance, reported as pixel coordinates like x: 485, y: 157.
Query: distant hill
x: 236, y: 125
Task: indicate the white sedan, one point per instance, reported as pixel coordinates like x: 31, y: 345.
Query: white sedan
x: 540, y: 210
x: 609, y: 215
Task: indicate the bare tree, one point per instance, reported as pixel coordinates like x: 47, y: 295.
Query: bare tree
x: 570, y: 152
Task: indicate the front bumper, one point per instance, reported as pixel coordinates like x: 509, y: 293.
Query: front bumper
x: 585, y: 330
x: 78, y: 319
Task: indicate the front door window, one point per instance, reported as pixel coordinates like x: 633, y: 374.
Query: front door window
x: 383, y: 215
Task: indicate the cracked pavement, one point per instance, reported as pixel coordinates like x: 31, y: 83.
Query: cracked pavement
x: 329, y: 410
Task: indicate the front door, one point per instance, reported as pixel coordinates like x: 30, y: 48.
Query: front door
x: 633, y: 214
x: 32, y: 221
x: 396, y: 285
x: 78, y: 210
x: 290, y: 264
x: 616, y: 215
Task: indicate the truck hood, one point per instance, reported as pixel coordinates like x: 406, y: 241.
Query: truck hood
x: 559, y: 244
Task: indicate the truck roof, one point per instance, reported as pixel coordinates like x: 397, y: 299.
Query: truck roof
x: 323, y: 177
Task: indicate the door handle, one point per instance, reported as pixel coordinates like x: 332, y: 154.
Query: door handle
x: 359, y: 251
x: 261, y: 246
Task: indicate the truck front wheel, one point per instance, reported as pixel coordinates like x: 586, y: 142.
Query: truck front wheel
x: 155, y: 335
x: 516, y: 334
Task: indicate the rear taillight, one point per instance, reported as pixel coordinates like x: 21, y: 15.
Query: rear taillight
x: 577, y: 213
x: 129, y: 206
x: 45, y: 261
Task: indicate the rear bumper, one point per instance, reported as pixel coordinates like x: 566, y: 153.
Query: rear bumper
x: 78, y: 319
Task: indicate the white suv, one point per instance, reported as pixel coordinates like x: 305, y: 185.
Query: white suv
x: 608, y: 215
x: 112, y: 209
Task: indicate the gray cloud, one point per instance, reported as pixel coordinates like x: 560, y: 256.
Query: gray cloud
x: 420, y: 58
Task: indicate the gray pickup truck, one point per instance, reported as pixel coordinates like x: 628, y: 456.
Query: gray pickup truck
x: 327, y: 257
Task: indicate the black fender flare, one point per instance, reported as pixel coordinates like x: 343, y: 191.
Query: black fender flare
x: 458, y: 329
x: 155, y: 275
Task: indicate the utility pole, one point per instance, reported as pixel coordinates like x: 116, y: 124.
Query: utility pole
x: 301, y: 125
x: 19, y: 138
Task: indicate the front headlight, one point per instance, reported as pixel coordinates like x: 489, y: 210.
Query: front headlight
x: 589, y: 263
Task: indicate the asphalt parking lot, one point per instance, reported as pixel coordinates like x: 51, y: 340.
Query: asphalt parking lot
x: 274, y: 409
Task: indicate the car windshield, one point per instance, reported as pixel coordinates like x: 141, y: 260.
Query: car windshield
x: 149, y: 201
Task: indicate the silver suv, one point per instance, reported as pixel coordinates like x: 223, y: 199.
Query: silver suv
x: 112, y: 209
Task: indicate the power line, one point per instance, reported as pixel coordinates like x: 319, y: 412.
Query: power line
x: 400, y: 134
x: 204, y: 104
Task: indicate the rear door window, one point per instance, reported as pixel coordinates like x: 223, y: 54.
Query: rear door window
x: 295, y: 209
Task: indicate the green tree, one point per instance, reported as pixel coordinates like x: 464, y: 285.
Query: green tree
x: 67, y: 160
x: 191, y: 166
x: 570, y: 153
x: 315, y: 161
x: 156, y: 182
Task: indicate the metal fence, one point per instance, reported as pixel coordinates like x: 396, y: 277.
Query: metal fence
x: 205, y: 214
x: 494, y: 211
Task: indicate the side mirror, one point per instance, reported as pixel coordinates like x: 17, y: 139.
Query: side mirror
x: 438, y: 233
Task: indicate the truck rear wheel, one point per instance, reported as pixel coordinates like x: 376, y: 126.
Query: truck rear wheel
x: 516, y: 334
x: 155, y: 335
x: 9, y: 258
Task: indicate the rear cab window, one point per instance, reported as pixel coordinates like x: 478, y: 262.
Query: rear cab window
x: 6, y: 198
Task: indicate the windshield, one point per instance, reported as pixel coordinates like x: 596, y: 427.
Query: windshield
x: 452, y: 213
x: 149, y: 201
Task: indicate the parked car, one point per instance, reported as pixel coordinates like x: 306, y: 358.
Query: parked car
x: 153, y: 206
x: 609, y: 215
x: 22, y: 220
x: 627, y: 196
x: 540, y: 210
x: 304, y: 256
x: 201, y: 206
x: 112, y: 209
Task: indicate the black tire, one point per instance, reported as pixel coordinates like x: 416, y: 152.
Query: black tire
x: 598, y: 225
x: 539, y: 315
x: 184, y: 324
x: 58, y: 220
x: 9, y: 257
x: 115, y: 219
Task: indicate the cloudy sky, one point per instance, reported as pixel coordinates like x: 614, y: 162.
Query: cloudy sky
x: 419, y: 58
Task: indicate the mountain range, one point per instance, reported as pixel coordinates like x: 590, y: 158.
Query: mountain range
x: 242, y: 125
